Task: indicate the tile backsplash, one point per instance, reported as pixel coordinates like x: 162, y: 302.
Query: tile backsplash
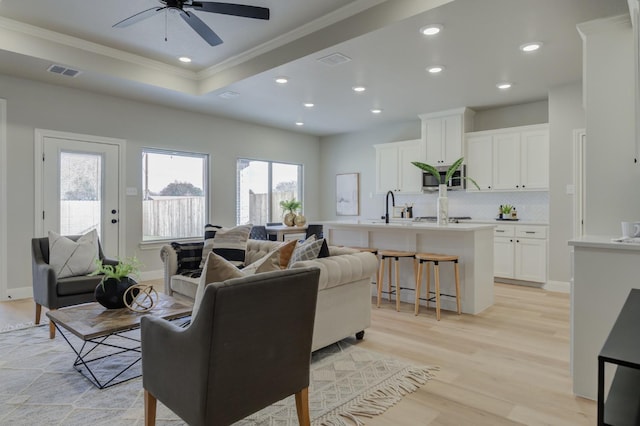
x: 531, y: 206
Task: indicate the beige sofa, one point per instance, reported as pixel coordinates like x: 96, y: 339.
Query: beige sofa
x: 344, y: 293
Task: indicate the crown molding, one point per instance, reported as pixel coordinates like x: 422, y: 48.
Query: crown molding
x: 598, y: 26
x: 87, y: 46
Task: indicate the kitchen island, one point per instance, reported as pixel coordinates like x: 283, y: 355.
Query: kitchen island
x: 472, y: 243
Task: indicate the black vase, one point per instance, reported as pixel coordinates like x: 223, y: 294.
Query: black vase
x: 110, y: 292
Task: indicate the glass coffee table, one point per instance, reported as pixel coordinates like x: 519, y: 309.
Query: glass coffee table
x: 108, y: 348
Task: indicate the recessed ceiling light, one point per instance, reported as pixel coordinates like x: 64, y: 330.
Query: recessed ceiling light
x: 359, y: 89
x: 376, y: 110
x: 299, y: 123
x: 531, y: 47
x: 308, y: 105
x: 282, y: 80
x: 504, y: 85
x: 430, y: 30
x: 184, y: 59
x: 435, y: 69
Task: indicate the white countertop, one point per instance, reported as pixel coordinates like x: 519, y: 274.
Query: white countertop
x: 409, y: 224
x: 508, y: 222
x: 599, y: 241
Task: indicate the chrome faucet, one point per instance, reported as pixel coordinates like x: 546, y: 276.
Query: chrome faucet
x: 393, y: 204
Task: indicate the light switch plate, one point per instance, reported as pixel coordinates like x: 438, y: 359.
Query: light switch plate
x: 571, y: 189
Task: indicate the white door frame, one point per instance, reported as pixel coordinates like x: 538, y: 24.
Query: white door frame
x: 3, y: 199
x: 579, y: 146
x: 40, y: 135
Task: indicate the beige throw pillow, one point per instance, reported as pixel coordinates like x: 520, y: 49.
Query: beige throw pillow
x: 70, y: 258
x: 216, y: 269
x: 270, y: 262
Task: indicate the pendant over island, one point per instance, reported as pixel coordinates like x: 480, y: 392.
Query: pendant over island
x: 472, y: 243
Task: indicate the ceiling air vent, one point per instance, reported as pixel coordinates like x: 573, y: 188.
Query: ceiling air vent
x: 334, y: 59
x: 59, y: 69
x: 229, y: 94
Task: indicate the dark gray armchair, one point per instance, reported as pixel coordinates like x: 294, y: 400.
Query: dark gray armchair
x: 248, y: 346
x: 54, y: 293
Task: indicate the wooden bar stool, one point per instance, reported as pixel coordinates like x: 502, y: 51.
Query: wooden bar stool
x: 392, y: 255
x: 365, y: 249
x: 436, y: 259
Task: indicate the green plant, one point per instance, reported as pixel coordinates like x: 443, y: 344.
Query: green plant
x: 455, y: 166
x: 506, y: 208
x: 124, y: 268
x: 292, y: 206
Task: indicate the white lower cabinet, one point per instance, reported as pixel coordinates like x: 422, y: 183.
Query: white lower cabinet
x: 520, y: 252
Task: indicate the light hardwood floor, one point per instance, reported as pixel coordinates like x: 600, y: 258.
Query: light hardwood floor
x: 509, y: 365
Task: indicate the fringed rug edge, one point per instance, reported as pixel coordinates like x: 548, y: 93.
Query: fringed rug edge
x: 379, y: 399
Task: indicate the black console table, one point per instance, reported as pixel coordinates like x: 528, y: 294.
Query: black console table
x: 622, y: 348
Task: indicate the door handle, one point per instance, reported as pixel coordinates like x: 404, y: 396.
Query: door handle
x: 114, y: 220
x: 114, y: 211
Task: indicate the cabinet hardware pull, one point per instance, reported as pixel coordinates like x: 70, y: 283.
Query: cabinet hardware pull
x: 499, y: 230
x: 530, y: 232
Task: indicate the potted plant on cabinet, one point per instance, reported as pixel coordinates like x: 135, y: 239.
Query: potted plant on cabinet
x: 443, y: 202
x: 290, y: 209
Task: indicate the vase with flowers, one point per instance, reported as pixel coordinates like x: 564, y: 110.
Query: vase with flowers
x: 442, y: 211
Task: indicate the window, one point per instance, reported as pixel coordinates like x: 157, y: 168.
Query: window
x: 175, y: 196
x: 261, y: 187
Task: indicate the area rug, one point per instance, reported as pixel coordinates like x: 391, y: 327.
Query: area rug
x: 38, y: 385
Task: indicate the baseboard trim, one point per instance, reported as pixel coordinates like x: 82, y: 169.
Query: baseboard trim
x: 558, y: 286
x: 151, y: 275
x: 19, y: 293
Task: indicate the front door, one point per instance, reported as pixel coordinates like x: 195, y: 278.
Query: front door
x: 80, y: 188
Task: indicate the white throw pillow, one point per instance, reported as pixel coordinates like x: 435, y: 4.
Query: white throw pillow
x: 70, y: 258
x: 307, y: 250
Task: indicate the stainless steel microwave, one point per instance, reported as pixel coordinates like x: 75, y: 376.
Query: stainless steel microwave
x: 457, y: 181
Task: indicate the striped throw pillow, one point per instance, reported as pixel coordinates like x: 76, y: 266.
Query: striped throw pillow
x: 229, y: 243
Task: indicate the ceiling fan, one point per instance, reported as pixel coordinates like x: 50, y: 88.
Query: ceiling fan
x: 194, y: 22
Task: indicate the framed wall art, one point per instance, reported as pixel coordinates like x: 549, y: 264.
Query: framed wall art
x: 348, y: 194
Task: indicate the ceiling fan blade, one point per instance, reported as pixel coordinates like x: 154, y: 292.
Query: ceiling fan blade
x: 201, y: 28
x: 138, y: 17
x: 242, y: 10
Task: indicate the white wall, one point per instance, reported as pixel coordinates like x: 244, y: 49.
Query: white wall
x: 511, y: 116
x: 33, y: 105
x: 565, y: 115
x: 612, y: 178
x: 354, y: 152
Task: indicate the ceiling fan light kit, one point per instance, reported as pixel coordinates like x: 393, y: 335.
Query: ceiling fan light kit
x: 203, y: 30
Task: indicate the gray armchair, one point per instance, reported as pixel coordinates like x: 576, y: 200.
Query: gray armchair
x: 248, y: 346
x: 54, y: 293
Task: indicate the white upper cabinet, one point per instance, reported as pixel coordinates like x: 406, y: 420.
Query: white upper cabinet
x: 506, y: 160
x: 480, y: 162
x: 443, y: 134
x: 534, y: 159
x: 394, y: 171
x: 512, y: 159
